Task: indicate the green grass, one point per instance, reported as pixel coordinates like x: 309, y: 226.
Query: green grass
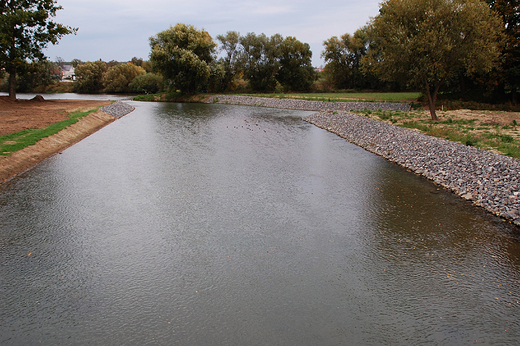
x: 347, y: 96
x: 20, y: 140
x: 456, y: 130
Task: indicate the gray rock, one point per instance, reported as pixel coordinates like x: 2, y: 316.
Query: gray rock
x: 486, y: 178
x: 117, y: 109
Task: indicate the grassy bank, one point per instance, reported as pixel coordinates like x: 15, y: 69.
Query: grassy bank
x: 496, y: 131
x: 20, y: 140
x: 347, y: 96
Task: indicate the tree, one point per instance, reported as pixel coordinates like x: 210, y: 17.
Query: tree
x: 509, y: 11
x: 26, y: 29
x: 40, y: 73
x: 427, y: 41
x: 296, y: 72
x: 182, y: 55
x: 118, y: 77
x: 89, y: 77
x: 343, y: 60
x: 76, y: 62
x: 259, y: 60
x: 230, y: 43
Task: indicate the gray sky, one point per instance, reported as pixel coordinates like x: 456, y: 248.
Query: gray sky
x: 120, y: 29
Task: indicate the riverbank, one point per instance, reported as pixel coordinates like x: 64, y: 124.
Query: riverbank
x: 489, y: 180
x: 305, y: 105
x: 24, y: 114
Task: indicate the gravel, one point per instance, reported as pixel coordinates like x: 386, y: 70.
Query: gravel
x: 117, y: 109
x: 489, y: 180
x: 304, y: 105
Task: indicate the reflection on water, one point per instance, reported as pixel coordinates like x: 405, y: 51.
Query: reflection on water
x: 210, y: 224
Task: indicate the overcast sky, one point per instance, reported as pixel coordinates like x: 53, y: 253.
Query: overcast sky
x: 120, y: 29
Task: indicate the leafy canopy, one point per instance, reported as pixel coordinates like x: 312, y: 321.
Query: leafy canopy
x: 259, y: 60
x: 89, y: 77
x: 118, y: 77
x: 296, y: 71
x: 182, y: 54
x: 26, y: 29
x: 426, y: 41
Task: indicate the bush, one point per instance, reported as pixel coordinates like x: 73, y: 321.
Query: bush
x: 89, y: 77
x: 149, y: 83
x: 118, y: 77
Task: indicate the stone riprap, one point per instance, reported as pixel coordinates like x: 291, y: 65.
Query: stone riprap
x: 304, y: 105
x: 490, y: 180
x: 117, y: 109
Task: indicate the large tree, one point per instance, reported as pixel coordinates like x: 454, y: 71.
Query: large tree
x: 183, y: 54
x: 509, y: 11
x: 296, y: 72
x: 426, y: 41
x: 230, y: 44
x: 89, y: 77
x: 259, y: 60
x: 343, y: 58
x: 26, y: 29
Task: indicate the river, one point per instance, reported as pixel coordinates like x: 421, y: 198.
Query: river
x: 194, y: 224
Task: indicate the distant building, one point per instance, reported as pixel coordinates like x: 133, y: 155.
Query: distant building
x: 68, y: 72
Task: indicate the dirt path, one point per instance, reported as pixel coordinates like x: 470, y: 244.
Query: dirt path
x: 20, y: 115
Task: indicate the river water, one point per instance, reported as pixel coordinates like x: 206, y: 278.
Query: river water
x: 192, y: 224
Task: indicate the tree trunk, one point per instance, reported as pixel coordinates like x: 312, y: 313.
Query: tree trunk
x: 432, y: 99
x: 514, y: 96
x: 12, y: 84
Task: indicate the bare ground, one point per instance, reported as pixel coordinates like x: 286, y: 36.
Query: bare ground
x: 20, y: 115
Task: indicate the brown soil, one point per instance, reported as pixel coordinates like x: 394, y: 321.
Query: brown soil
x: 20, y: 115
x: 479, y: 118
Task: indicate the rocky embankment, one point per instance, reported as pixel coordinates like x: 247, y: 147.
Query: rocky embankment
x: 117, y: 109
x: 304, y: 105
x: 490, y: 180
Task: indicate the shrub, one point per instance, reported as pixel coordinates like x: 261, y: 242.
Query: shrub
x: 118, y: 77
x: 89, y: 77
x: 149, y: 83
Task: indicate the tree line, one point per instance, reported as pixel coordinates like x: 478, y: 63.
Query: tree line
x: 463, y: 46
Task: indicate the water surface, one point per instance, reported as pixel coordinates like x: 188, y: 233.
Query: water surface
x: 194, y: 224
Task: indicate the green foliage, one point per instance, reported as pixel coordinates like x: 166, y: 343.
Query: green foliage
x: 230, y: 43
x: 217, y: 78
x: 26, y: 29
x: 264, y: 62
x: 149, y: 83
x: 89, y: 77
x: 259, y: 60
x: 427, y: 41
x: 509, y: 72
x: 29, y: 137
x: 118, y: 77
x: 183, y: 55
x: 296, y: 72
x: 141, y: 63
x: 40, y: 73
x: 343, y: 59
